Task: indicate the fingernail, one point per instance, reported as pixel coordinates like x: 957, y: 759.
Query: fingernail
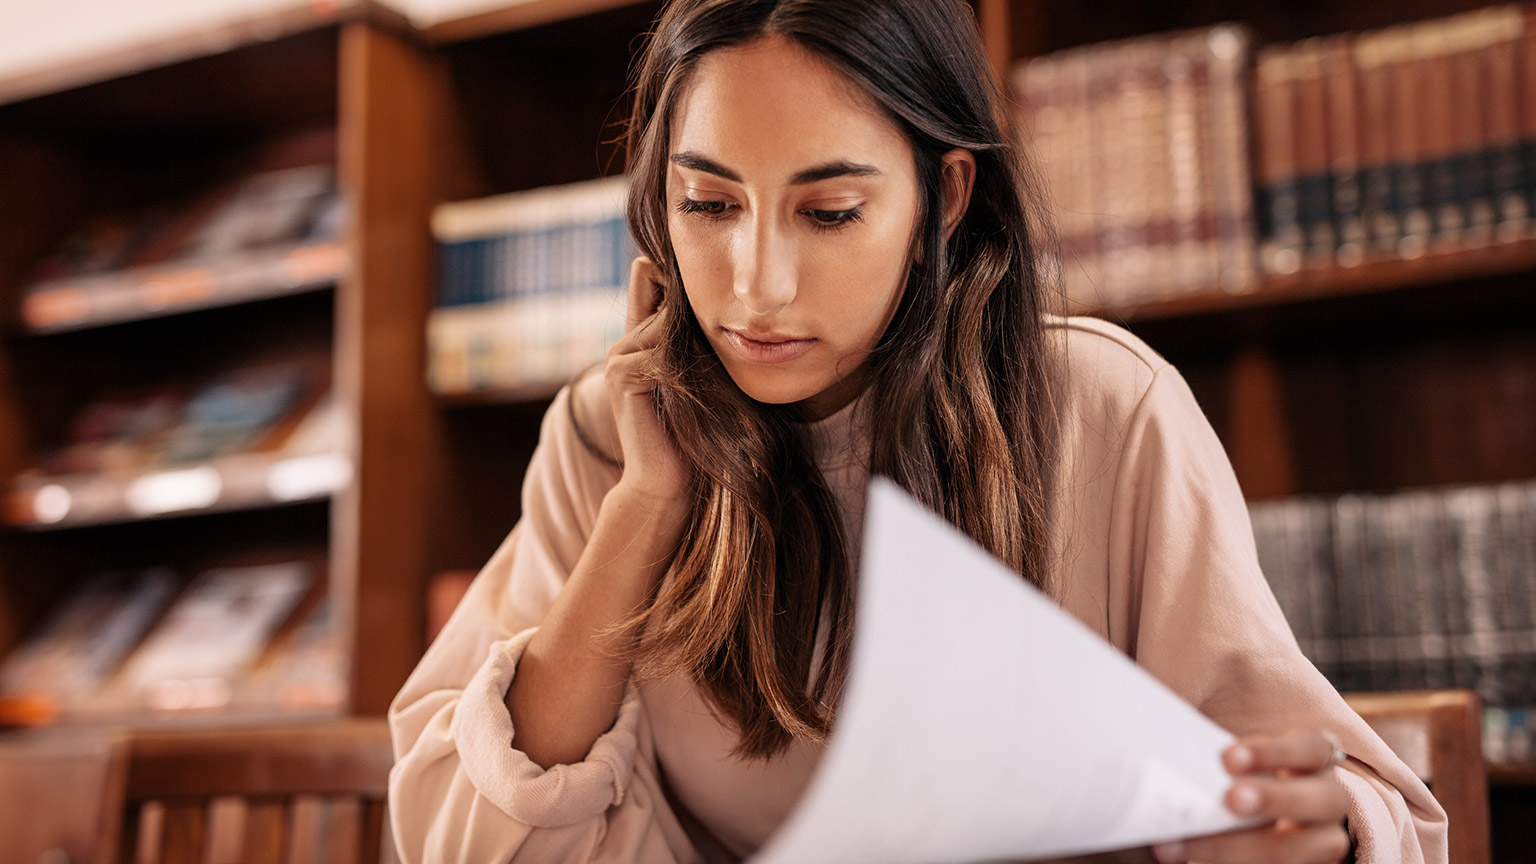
x: 1245, y: 800
x: 1169, y: 852
x: 1241, y: 758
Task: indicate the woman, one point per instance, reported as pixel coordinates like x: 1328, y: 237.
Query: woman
x: 843, y: 276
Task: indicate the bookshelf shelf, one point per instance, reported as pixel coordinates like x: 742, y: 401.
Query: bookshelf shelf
x: 246, y: 481
x: 182, y: 286
x: 1369, y: 277
x: 527, y: 394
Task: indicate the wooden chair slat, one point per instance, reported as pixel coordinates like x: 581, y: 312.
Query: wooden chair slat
x: 184, y: 833
x: 306, y: 827
x: 264, y: 832
x: 374, y: 824
x: 226, y: 830
x: 343, y: 829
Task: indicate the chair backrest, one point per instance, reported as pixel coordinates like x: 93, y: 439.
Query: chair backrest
x: 56, y: 800
x: 279, y: 795
x: 1439, y: 735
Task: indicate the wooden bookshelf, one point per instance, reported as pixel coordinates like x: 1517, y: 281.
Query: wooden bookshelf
x: 345, y: 83
x: 1387, y: 375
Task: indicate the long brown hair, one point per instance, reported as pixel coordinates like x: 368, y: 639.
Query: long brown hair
x: 961, y: 378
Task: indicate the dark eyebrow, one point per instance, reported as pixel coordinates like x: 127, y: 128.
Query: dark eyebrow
x: 839, y: 168
x: 690, y: 159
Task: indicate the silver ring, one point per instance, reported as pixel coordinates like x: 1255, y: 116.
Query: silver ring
x: 1337, y: 757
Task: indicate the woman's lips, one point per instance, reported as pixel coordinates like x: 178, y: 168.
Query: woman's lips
x: 767, y: 348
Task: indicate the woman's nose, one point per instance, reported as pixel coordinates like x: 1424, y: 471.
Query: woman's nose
x: 765, y: 273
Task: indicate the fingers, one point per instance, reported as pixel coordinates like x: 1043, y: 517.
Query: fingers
x: 1304, y: 752
x: 1312, y: 844
x: 644, y: 293
x: 1313, y: 798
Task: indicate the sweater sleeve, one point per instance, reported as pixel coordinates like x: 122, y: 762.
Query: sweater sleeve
x: 1200, y: 617
x: 459, y: 791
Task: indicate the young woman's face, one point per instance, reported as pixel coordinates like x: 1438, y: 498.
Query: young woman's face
x: 793, y: 203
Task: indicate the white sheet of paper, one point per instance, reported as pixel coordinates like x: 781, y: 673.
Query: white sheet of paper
x: 981, y: 722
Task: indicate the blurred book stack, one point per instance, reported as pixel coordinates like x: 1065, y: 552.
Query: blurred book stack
x: 530, y: 286
x: 254, y: 436
x: 139, y: 644
x: 1397, y: 142
x: 1415, y: 590
x: 1144, y: 148
x: 265, y: 234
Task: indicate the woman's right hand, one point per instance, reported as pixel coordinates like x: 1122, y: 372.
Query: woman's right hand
x: 653, y: 470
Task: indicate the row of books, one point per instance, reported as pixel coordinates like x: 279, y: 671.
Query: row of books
x: 252, y: 637
x: 269, y: 233
x: 1376, y: 145
x: 267, y: 433
x: 530, y: 286
x: 1426, y: 589
x: 1144, y: 149
x: 1395, y: 142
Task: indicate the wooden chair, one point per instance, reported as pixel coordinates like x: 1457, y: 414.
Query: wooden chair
x: 55, y: 803
x: 280, y: 795
x: 1439, y: 735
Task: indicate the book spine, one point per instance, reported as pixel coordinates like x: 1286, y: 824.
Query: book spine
x: 1426, y: 587
x: 1343, y: 108
x: 1470, y: 38
x: 1082, y: 250
x: 1512, y: 592
x: 1279, y: 192
x: 1353, y: 621
x: 1272, y: 543
x: 1127, y: 270
x: 1314, y: 179
x: 1320, y: 575
x: 1397, y: 651
x: 1042, y: 111
x: 1161, y: 279
x: 1470, y: 512
x: 1109, y: 163
x: 1186, y: 184
x: 1463, y: 673
x: 1211, y: 166
x: 1383, y: 227
x: 1440, y: 155
x: 1527, y: 110
x: 1407, y: 144
x: 1230, y: 50
x: 1500, y: 64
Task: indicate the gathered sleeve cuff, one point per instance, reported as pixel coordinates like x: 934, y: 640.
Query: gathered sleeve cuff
x: 1380, y: 826
x: 541, y: 798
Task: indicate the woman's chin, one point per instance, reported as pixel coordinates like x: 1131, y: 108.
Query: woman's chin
x: 774, y: 390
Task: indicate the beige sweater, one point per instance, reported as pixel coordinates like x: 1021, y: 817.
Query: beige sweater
x: 1157, y: 556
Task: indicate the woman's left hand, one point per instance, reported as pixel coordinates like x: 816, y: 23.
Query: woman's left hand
x: 1289, y: 781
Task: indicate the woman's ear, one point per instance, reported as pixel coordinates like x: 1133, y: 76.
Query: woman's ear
x: 958, y: 176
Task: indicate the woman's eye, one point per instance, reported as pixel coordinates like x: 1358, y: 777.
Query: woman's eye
x: 825, y: 220
x: 707, y: 209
